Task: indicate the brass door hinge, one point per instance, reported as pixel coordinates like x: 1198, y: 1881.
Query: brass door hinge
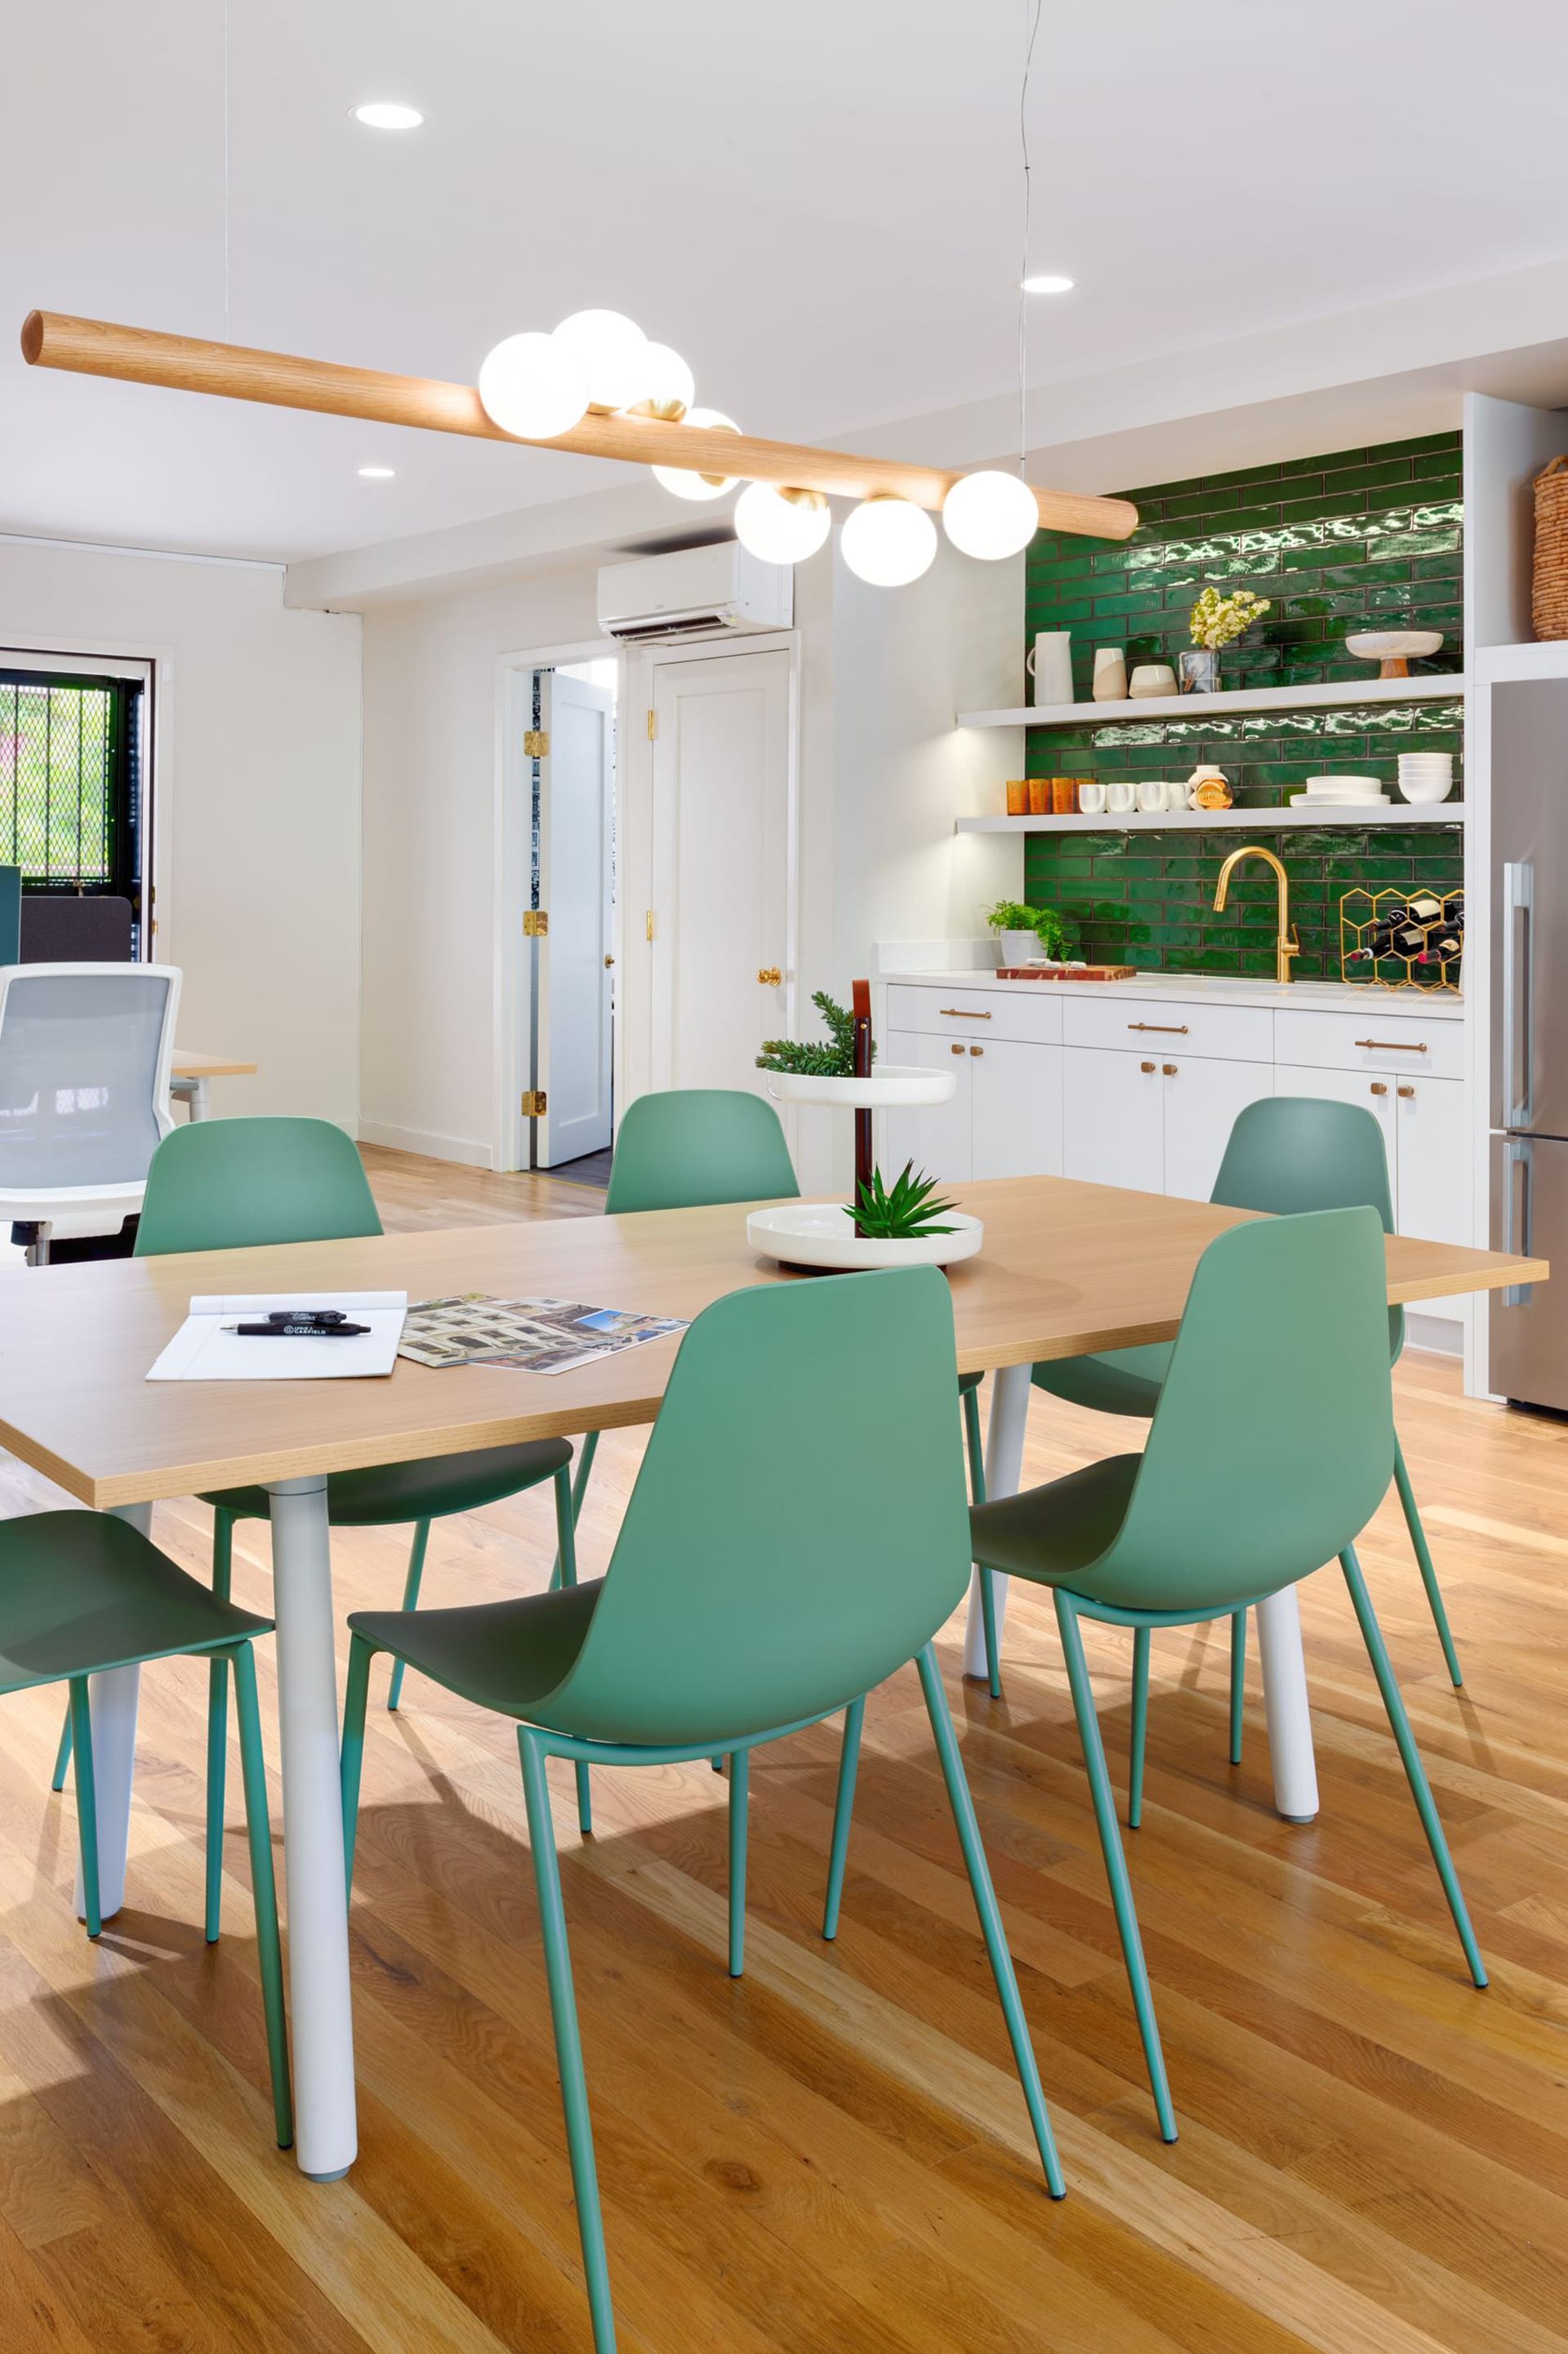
x: 534, y: 1103
x: 537, y: 743
x: 535, y: 924
x: 652, y: 725
x: 649, y: 924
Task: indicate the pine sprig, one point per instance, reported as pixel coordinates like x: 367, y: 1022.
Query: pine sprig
x: 812, y: 1059
x: 906, y: 1213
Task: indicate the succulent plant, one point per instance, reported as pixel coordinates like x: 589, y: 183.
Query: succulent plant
x: 906, y: 1213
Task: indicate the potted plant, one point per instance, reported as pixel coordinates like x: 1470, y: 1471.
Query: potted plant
x: 1216, y: 621
x: 1014, y: 925
x: 1054, y: 934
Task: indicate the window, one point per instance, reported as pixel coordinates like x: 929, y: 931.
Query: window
x: 71, y: 782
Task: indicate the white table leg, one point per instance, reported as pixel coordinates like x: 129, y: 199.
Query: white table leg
x: 322, y: 2018
x: 113, y: 1699
x: 1286, y: 1706
x: 195, y: 1093
x: 1004, y: 1470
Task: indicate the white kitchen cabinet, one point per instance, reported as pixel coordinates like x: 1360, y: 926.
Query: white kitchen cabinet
x: 1113, y: 1117
x: 1201, y: 1102
x: 1423, y: 1123
x: 1004, y: 1120
x: 935, y: 1137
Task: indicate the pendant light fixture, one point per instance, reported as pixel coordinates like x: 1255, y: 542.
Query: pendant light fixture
x: 699, y: 486
x: 782, y: 526
x: 612, y: 352
x: 990, y: 515
x: 534, y: 387
x: 888, y: 542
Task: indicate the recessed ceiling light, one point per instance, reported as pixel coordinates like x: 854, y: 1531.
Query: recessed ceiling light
x: 377, y: 474
x: 1047, y: 284
x: 385, y: 115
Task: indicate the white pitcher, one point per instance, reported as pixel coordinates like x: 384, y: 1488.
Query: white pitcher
x: 1049, y: 663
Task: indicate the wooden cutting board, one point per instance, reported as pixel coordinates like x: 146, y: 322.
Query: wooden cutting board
x: 1066, y: 973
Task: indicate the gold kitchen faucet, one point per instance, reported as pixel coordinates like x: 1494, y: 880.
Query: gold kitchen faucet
x: 1287, y: 945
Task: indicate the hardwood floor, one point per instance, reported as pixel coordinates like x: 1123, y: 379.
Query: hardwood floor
x: 833, y: 2153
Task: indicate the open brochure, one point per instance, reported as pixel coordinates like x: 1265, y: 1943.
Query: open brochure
x: 535, y: 1336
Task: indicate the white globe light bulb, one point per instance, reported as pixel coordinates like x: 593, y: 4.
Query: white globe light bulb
x: 529, y: 386
x: 888, y: 541
x: 612, y: 352
x: 782, y: 526
x: 669, y: 389
x: 990, y: 515
x: 687, y: 485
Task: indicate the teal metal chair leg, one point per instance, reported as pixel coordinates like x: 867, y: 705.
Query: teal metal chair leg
x: 1238, y: 1681
x: 586, y: 1454
x: 568, y: 2041
x: 1416, y: 1773
x: 844, y: 1810
x: 86, y: 1803
x: 969, y: 1400
x: 1141, y: 1641
x: 411, y: 1585
x: 988, y: 1621
x: 740, y: 1806
x: 1116, y: 1863
x: 569, y: 1499
x: 218, y: 1727
x: 63, y: 1754
x: 259, y: 1829
x: 355, y: 1701
x: 1422, y: 1562
x: 990, y: 1914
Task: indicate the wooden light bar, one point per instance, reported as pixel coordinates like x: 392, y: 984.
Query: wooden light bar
x: 137, y: 355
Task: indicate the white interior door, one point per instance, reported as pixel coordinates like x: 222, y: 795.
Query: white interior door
x: 720, y: 866
x: 572, y: 976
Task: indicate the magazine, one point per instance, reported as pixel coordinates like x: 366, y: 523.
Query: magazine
x: 535, y: 1336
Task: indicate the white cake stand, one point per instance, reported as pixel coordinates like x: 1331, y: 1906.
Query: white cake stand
x: 821, y: 1233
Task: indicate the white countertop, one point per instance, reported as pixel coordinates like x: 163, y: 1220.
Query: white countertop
x: 1310, y: 996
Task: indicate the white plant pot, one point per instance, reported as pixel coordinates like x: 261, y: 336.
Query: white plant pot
x: 822, y: 1234
x: 892, y: 1086
x: 1020, y: 947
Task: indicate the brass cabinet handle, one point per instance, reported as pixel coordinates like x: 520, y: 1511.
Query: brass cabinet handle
x: 962, y: 1014
x: 769, y: 976
x: 1169, y: 1069
x: 1377, y: 1089
x: 1404, y: 1091
x: 1172, y: 1029
x: 1391, y: 1045
x: 608, y: 962
x: 977, y: 1050
x: 1146, y: 1066
x: 955, y: 1048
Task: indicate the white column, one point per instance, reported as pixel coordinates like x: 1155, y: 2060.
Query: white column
x: 113, y: 1699
x: 1003, y: 1468
x: 321, y: 2017
x: 1286, y: 1705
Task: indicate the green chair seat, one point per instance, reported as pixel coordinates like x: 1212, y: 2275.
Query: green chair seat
x: 1055, y: 1532
x: 1121, y: 1381
x: 505, y: 1656
x: 968, y: 1381
x: 81, y: 1593
x: 429, y: 1489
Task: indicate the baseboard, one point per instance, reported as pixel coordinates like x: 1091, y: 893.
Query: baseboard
x: 1443, y: 1336
x: 466, y: 1149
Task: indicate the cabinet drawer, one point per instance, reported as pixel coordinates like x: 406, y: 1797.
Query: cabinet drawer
x: 1170, y: 1026
x: 1370, y: 1042
x: 982, y: 1013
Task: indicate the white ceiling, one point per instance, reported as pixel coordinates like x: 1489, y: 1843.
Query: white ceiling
x: 818, y: 204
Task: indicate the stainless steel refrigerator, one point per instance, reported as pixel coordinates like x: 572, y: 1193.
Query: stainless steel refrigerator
x: 1529, y: 1110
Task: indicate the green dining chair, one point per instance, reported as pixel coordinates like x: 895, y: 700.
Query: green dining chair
x: 237, y: 1184
x: 764, y: 1578
x: 1271, y: 1445
x: 1286, y: 1154
x: 83, y: 1593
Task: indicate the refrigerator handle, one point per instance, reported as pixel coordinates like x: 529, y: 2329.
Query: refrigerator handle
x: 1517, y: 901
x: 1517, y: 1295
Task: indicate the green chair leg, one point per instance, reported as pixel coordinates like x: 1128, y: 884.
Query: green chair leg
x: 844, y: 1810
x: 739, y: 1805
x: 990, y: 1914
x: 1238, y: 1681
x: 355, y: 1701
x: 1116, y: 1863
x: 586, y: 1454
x: 988, y: 1622
x: 568, y: 1502
x: 1416, y: 1773
x: 568, y: 2041
x: 86, y: 1803
x: 1140, y: 1640
x: 411, y: 1585
x: 263, y: 1885
x: 969, y: 1400
x: 63, y: 1754
x: 1424, y: 1563
x: 218, y: 1727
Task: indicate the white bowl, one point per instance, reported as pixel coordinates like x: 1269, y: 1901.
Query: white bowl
x: 1392, y: 645
x: 1360, y: 786
x: 891, y: 1086
x: 821, y: 1234
x: 1427, y: 786
x: 1338, y: 800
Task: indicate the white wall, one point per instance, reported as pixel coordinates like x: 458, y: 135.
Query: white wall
x: 255, y: 810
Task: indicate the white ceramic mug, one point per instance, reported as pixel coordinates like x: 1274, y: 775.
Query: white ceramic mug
x: 1110, y: 674
x: 1150, y: 679
x: 1049, y: 663
x: 1091, y: 799
x: 1150, y: 795
x: 1121, y: 795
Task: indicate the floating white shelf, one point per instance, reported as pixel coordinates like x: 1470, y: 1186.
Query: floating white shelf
x: 1350, y: 813
x: 1206, y: 707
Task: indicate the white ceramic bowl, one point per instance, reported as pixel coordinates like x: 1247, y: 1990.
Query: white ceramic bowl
x: 891, y: 1086
x: 1392, y: 646
x: 1426, y: 785
x: 1150, y: 679
x: 1338, y: 787
x: 820, y: 1234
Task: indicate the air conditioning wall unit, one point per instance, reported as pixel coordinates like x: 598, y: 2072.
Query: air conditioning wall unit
x: 721, y: 591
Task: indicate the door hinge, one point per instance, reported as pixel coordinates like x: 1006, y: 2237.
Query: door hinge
x: 535, y: 924
x: 535, y: 1103
x: 652, y: 725
x: 537, y: 743
x: 649, y: 924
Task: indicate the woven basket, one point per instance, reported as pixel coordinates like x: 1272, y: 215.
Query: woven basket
x: 1549, y: 592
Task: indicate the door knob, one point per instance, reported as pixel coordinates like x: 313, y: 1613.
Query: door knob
x: 1146, y: 1066
x: 1169, y: 1069
x: 769, y: 976
x: 956, y: 1050
x: 1404, y: 1091
x: 977, y: 1050
x: 1378, y: 1088
x: 608, y: 962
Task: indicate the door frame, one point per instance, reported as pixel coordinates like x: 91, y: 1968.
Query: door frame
x: 513, y: 983
x: 634, y: 840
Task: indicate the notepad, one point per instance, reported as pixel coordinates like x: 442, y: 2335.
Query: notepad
x: 201, y: 1351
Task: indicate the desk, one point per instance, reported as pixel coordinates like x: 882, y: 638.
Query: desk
x: 1067, y: 1268
x: 190, y: 1071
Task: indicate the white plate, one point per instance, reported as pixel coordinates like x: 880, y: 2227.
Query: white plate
x: 1338, y: 800
x: 1361, y: 785
x: 820, y: 1233
x: 894, y: 1086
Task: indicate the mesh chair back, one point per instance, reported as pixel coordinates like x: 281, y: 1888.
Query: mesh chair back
x: 83, y: 1072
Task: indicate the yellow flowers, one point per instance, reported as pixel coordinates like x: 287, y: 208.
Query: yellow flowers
x: 1216, y: 619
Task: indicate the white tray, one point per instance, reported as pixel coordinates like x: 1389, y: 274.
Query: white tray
x: 893, y: 1085
x: 818, y: 1234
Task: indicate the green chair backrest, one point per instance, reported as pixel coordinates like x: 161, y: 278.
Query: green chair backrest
x: 799, y: 1528
x: 1272, y: 1444
x: 233, y: 1184
x: 693, y: 1146
x: 1290, y: 1153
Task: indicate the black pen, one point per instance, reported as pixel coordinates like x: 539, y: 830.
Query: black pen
x: 298, y: 1332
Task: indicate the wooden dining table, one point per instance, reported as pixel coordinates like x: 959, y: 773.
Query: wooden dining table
x: 1066, y: 1268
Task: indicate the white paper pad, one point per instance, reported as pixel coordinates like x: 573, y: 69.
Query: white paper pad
x: 201, y: 1351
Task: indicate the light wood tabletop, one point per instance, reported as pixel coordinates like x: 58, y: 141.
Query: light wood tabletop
x: 187, y: 1063
x: 1067, y: 1268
